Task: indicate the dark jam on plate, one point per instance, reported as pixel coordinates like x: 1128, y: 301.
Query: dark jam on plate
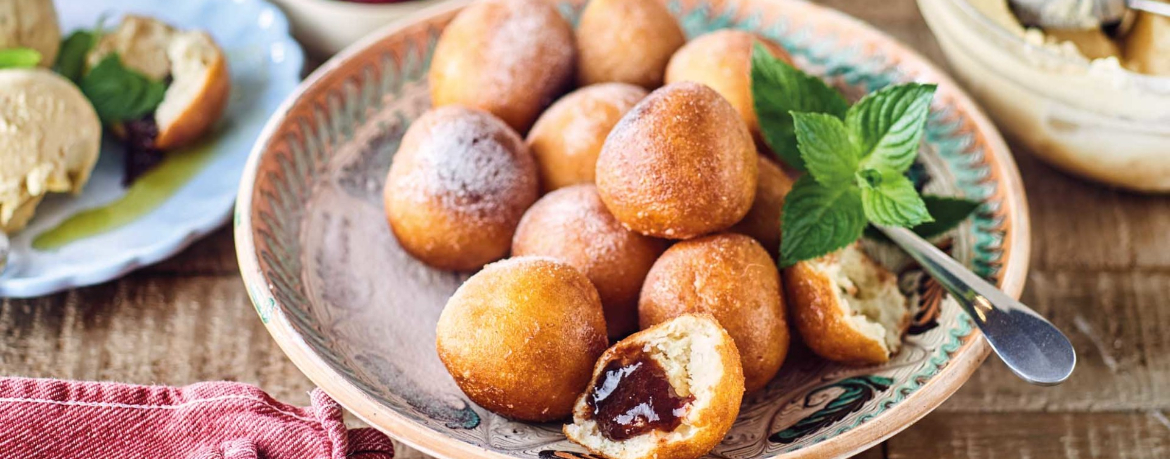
x: 633, y: 396
x: 141, y: 155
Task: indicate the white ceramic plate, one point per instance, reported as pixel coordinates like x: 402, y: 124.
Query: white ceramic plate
x: 265, y: 64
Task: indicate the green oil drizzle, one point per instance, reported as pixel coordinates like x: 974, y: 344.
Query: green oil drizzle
x: 145, y: 195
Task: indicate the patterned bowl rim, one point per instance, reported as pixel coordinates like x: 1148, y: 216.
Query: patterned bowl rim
x: 963, y: 362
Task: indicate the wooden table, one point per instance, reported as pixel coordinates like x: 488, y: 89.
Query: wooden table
x: 1100, y: 271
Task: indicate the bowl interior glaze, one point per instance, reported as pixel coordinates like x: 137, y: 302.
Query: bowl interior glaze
x: 357, y: 314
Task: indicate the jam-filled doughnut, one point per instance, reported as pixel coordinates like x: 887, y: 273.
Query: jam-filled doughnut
x: 671, y: 391
x: 629, y: 41
x: 731, y: 277
x: 457, y: 188
x: 521, y: 336
x: 508, y: 57
x: 680, y: 164
x: 572, y: 225
x: 723, y: 60
x: 567, y: 137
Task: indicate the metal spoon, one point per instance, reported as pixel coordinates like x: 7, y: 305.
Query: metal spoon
x: 1031, y: 346
x: 1081, y: 14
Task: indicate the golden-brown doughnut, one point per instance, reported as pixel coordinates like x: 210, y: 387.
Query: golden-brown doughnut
x: 686, y: 371
x: 731, y: 277
x: 567, y: 138
x: 723, y: 60
x: 762, y: 222
x: 572, y: 225
x: 511, y: 58
x: 847, y: 307
x: 629, y: 41
x: 680, y: 164
x: 521, y: 337
x: 457, y: 188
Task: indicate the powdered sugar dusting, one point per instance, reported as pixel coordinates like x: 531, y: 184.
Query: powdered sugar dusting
x: 524, y: 45
x: 469, y: 162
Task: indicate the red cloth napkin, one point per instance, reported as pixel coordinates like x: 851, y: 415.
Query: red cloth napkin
x: 42, y: 418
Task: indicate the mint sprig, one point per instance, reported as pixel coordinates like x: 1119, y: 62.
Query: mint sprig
x: 948, y: 213
x: 19, y: 58
x: 71, y: 59
x: 818, y: 219
x: 779, y: 89
x: 118, y: 93
x: 856, y: 157
x: 863, y: 157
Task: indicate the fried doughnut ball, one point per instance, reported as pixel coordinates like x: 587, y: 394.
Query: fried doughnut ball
x: 680, y: 164
x: 511, y: 58
x: 629, y: 41
x: 671, y: 391
x: 457, y: 188
x: 521, y: 337
x: 723, y: 60
x: 732, y: 278
x: 567, y: 138
x: 572, y: 225
x: 847, y: 307
x: 762, y: 222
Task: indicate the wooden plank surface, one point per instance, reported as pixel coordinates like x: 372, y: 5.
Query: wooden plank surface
x: 1100, y: 271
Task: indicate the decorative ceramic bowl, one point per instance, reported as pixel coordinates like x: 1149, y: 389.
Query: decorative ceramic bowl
x: 357, y: 314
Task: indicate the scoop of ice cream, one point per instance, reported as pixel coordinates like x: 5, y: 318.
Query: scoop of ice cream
x: 50, y: 137
x: 30, y: 24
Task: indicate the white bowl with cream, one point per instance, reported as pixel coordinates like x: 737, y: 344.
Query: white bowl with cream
x: 1093, y: 117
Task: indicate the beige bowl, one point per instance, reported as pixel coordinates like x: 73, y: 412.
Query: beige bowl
x: 325, y: 27
x: 1092, y: 119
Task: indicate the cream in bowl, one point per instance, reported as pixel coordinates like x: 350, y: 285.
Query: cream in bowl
x: 1089, y: 104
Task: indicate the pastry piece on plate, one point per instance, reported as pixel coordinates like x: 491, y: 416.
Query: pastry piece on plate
x: 192, y: 67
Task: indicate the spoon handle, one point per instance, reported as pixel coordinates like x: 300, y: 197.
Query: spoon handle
x: 1032, y: 347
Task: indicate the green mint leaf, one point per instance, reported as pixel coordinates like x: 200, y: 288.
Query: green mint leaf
x: 948, y: 213
x: 817, y: 220
x: 19, y: 58
x: 71, y: 59
x: 892, y: 200
x: 778, y: 88
x: 888, y: 124
x: 828, y: 153
x: 119, y: 93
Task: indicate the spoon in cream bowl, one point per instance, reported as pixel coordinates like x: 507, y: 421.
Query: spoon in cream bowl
x: 1081, y: 14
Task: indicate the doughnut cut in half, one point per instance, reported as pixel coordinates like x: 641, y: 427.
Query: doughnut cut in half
x: 671, y: 391
x: 847, y: 307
